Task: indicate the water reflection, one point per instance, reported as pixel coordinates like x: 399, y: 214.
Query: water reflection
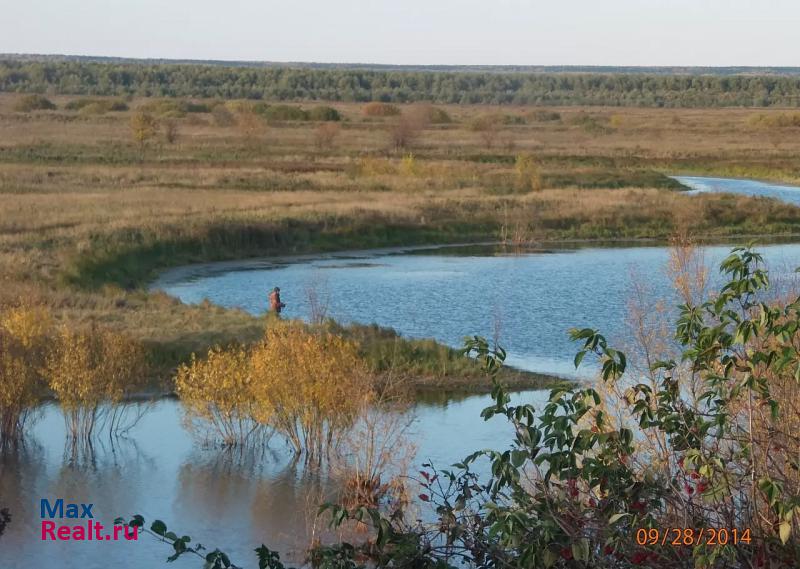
x: 232, y: 499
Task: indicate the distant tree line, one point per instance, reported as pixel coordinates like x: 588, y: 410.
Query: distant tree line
x: 299, y: 84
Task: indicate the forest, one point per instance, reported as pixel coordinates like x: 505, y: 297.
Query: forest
x: 298, y: 83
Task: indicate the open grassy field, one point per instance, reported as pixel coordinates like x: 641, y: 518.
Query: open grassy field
x: 88, y: 214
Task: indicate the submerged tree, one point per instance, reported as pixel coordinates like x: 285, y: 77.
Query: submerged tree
x: 23, y: 344
x: 306, y: 385
x: 90, y: 370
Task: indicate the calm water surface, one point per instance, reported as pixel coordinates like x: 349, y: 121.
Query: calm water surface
x: 227, y: 500
x: 698, y: 185
x: 530, y: 301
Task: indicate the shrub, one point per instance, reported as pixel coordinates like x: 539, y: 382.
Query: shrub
x: 544, y: 116
x: 23, y: 339
x: 222, y: 116
x: 283, y: 113
x: 409, y: 165
x: 406, y: 130
x: 251, y: 125
x: 324, y: 114
x: 33, y: 103
x: 217, y: 392
x: 325, y: 135
x: 487, y: 127
x: 174, y: 108
x: 307, y: 386
x: 529, y: 177
x: 170, y: 129
x: 369, y: 166
x: 511, y: 119
x: 428, y: 114
x: 144, y: 127
x: 96, y: 106
x: 88, y: 368
x: 439, y: 116
x: 590, y: 123
x: 377, y: 109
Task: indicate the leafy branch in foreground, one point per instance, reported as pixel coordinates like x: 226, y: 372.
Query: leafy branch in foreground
x: 216, y: 559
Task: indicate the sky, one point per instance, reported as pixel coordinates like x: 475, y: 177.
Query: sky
x: 414, y: 32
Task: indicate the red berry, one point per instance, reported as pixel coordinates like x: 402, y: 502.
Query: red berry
x: 566, y: 553
x: 573, y: 487
x: 424, y: 497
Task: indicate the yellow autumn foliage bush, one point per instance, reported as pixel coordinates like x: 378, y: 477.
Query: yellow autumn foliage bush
x: 306, y: 385
x: 529, y: 177
x: 88, y: 368
x: 23, y: 332
x: 309, y: 386
x: 218, y: 391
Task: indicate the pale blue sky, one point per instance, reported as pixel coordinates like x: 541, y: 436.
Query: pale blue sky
x: 535, y: 32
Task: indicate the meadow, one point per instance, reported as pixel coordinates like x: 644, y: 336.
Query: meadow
x: 98, y: 194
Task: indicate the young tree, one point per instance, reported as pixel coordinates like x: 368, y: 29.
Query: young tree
x: 529, y: 177
x: 170, y: 131
x: 325, y: 134
x: 408, y: 128
x: 144, y: 128
x: 487, y: 127
x: 250, y: 125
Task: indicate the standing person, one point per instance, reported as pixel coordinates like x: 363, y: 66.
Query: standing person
x: 275, y: 304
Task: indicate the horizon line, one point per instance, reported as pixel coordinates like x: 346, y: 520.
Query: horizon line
x: 268, y: 62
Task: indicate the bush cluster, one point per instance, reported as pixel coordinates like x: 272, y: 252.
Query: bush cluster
x: 306, y: 385
x: 30, y: 103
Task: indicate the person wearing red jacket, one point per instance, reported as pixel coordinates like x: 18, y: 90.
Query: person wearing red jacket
x: 275, y: 304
